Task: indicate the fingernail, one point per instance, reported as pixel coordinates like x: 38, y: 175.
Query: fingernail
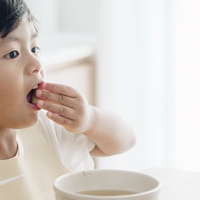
x: 49, y: 114
x: 40, y: 103
x: 38, y: 93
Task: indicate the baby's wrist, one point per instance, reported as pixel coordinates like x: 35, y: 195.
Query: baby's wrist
x: 91, y: 122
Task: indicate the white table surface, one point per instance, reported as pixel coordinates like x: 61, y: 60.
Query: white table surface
x: 177, y: 184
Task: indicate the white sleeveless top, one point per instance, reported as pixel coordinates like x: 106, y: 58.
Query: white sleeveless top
x: 45, y: 152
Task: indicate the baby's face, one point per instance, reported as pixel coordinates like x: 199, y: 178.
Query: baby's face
x: 20, y: 72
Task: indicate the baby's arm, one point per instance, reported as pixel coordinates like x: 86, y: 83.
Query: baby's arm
x: 70, y: 109
x: 110, y: 132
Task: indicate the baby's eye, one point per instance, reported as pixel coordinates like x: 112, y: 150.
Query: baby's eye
x: 12, y: 54
x: 35, y: 49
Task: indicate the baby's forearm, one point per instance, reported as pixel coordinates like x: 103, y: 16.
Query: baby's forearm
x: 111, y: 134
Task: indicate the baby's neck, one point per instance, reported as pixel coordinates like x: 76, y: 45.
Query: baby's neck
x: 8, y: 143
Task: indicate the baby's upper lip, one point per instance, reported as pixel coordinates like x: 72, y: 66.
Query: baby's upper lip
x: 31, y: 91
x: 37, y: 85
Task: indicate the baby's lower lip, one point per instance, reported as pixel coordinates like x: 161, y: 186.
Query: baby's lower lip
x: 34, y: 106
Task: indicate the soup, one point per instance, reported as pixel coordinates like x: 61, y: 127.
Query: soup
x: 107, y: 192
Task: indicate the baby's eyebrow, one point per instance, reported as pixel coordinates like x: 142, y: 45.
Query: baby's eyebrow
x: 15, y: 38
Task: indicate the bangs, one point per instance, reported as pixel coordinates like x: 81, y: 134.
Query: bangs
x: 11, y: 14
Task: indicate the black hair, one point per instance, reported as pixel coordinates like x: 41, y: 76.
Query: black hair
x: 11, y: 14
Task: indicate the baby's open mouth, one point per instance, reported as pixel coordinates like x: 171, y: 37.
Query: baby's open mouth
x: 31, y: 98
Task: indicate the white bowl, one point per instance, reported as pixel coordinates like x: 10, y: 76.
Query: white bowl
x: 68, y: 186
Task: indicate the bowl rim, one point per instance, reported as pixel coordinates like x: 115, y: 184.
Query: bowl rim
x: 84, y: 196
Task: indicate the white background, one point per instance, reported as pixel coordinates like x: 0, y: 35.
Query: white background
x: 148, y: 71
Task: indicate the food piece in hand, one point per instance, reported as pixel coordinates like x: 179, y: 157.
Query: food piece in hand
x: 34, y: 99
x: 31, y: 97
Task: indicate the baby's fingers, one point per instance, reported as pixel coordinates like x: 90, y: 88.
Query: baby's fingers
x: 60, y: 89
x: 57, y: 109
x: 53, y: 97
x: 59, y: 119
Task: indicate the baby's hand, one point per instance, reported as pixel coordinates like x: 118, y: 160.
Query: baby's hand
x: 65, y: 106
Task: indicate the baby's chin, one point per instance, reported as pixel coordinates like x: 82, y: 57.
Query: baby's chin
x: 29, y: 122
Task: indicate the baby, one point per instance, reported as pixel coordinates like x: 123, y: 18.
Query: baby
x: 46, y: 129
